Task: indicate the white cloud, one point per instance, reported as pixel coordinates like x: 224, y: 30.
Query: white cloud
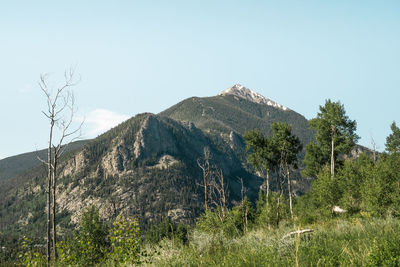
x: 99, y: 121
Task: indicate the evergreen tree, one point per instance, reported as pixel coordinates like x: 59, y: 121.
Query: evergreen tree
x: 393, y: 140
x: 335, y: 135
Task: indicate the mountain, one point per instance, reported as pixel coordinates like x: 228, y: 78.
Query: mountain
x: 147, y: 166
x: 238, y: 109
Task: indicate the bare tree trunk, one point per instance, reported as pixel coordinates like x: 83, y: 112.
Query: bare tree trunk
x: 223, y: 194
x: 49, y: 174
x: 205, y: 167
x: 277, y: 210
x: 280, y: 184
x: 333, y: 153
x: 289, y: 192
x: 245, y: 217
x: 205, y: 192
x: 267, y: 187
x: 244, y: 207
x: 373, y: 149
x: 54, y: 181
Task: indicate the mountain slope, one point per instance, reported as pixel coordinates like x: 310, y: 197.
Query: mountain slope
x: 147, y: 166
x: 236, y: 111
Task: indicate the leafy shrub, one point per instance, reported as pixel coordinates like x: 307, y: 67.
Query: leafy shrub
x: 29, y: 257
x: 90, y: 244
x: 124, y: 237
x: 167, y: 229
x: 235, y: 222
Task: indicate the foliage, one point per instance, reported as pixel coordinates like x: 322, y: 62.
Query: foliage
x: 393, y: 140
x: 354, y: 242
x: 124, y: 238
x: 90, y: 244
x: 236, y: 222
x: 97, y: 243
x: 325, y: 191
x: 278, y: 153
x: 29, y: 257
x: 169, y: 230
x: 360, y: 187
x: 267, y: 210
x: 287, y: 144
x: 334, y: 131
x: 261, y: 151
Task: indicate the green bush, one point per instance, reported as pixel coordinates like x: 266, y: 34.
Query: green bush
x: 29, y: 257
x: 90, y: 244
x: 235, y: 222
x: 167, y: 229
x: 267, y: 210
x: 124, y: 237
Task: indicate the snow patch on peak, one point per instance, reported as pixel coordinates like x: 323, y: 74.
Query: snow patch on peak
x: 243, y: 92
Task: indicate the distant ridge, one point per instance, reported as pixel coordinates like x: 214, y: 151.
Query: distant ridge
x: 16, y: 165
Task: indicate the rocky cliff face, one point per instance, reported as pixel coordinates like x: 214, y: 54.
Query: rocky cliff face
x: 149, y: 169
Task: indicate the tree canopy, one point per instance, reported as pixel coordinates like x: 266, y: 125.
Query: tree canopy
x: 393, y: 140
x: 335, y: 135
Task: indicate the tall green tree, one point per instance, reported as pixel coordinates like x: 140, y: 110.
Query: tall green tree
x: 275, y: 154
x: 287, y: 146
x: 393, y: 140
x: 335, y: 135
x: 261, y: 154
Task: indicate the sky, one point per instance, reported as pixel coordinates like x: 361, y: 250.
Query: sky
x: 145, y: 56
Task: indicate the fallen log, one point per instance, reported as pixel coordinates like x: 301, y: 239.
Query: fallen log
x: 298, y: 232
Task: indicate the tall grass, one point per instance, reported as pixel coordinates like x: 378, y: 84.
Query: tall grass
x: 353, y: 242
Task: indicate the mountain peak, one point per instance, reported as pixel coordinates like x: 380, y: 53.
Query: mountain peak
x: 243, y: 92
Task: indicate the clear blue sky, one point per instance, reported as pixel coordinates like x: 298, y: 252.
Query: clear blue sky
x: 138, y: 56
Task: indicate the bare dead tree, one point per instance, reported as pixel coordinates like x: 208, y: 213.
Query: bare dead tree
x: 289, y: 189
x: 245, y: 211
x: 60, y: 112
x: 280, y: 183
x: 217, y: 192
x: 373, y: 148
x: 205, y: 166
